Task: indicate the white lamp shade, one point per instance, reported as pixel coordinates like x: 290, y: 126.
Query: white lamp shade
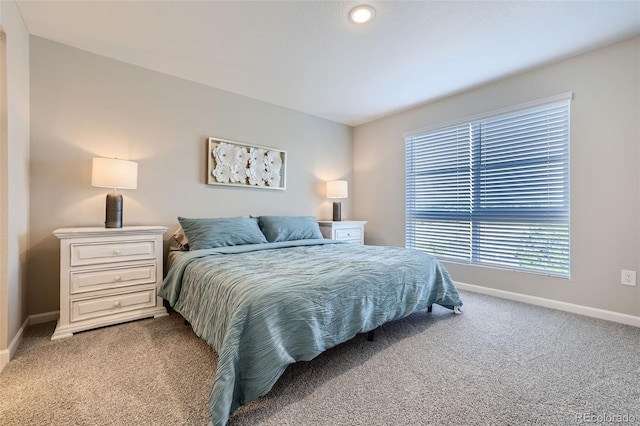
x: 337, y: 189
x: 114, y: 173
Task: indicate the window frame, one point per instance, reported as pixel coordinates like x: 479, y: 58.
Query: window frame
x: 472, y: 259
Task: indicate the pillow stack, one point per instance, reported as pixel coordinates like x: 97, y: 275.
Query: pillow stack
x: 198, y: 234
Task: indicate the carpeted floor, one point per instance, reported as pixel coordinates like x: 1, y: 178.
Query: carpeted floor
x: 500, y: 362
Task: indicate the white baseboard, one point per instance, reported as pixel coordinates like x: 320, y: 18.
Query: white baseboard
x: 45, y: 317
x: 554, y: 304
x: 4, y: 358
x: 7, y: 354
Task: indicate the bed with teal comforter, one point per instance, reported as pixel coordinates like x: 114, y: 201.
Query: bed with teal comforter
x: 265, y: 306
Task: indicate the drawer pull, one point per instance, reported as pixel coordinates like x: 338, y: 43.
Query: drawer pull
x: 117, y: 278
x: 116, y: 304
x: 116, y: 251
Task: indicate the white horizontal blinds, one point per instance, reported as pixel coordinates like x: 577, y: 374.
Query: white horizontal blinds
x: 521, y: 213
x: 538, y: 247
x: 438, y: 193
x: 524, y: 163
x: 493, y: 191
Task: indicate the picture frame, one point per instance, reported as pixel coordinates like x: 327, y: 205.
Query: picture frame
x: 231, y: 163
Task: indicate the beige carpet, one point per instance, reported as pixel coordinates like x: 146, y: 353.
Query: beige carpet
x: 498, y: 363
x: 147, y: 372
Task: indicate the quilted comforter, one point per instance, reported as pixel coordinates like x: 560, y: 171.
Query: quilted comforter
x: 265, y: 306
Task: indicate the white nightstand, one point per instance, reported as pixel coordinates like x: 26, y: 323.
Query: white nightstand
x: 345, y: 230
x: 108, y: 276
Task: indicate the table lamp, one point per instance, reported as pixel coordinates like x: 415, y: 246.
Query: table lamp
x: 337, y: 189
x: 114, y: 173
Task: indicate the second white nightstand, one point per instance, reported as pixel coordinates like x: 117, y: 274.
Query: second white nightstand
x: 345, y: 230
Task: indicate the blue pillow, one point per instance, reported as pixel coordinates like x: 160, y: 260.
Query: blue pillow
x: 289, y: 228
x: 221, y: 232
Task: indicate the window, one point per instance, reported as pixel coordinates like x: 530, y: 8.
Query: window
x: 494, y: 190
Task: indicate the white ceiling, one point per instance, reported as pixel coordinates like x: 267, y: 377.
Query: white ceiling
x: 307, y: 56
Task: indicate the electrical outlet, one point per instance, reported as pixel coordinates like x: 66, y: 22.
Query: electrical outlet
x: 628, y: 278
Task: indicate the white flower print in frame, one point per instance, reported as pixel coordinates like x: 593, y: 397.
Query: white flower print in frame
x: 236, y: 164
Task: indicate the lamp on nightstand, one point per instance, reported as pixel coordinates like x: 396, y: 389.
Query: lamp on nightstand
x: 337, y: 189
x: 114, y: 173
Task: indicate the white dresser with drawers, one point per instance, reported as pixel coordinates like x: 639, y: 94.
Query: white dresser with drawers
x: 108, y: 276
x: 345, y: 230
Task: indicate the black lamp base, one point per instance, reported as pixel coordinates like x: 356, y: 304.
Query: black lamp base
x: 337, y: 211
x: 113, y: 215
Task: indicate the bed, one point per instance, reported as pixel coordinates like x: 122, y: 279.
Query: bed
x: 269, y: 302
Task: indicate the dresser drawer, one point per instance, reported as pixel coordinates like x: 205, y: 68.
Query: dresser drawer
x: 100, y: 279
x: 101, y: 306
x: 120, y: 251
x: 349, y: 234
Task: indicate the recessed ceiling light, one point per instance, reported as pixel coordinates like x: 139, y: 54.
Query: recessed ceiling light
x: 362, y: 14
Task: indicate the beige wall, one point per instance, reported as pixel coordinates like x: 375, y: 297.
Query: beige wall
x: 15, y: 171
x: 605, y: 173
x: 84, y: 105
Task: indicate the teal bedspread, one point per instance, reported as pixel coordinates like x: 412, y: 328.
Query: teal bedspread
x: 265, y: 306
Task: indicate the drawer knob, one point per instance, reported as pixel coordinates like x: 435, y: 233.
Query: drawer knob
x: 348, y: 234
x: 116, y: 304
x: 117, y: 278
x: 116, y: 251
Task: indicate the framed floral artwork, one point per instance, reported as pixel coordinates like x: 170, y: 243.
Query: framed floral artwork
x: 237, y: 164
